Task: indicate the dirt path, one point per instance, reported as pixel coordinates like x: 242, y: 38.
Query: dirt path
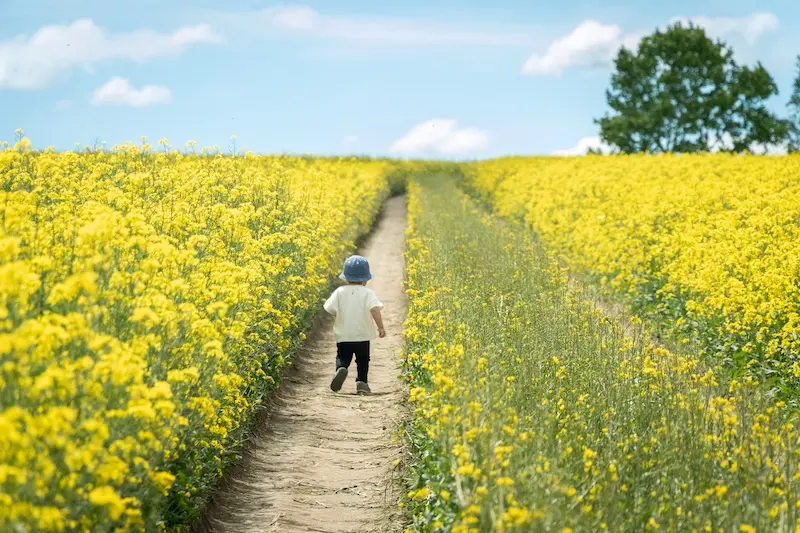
x: 323, y: 461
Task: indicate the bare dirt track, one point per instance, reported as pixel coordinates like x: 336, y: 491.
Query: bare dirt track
x: 323, y: 461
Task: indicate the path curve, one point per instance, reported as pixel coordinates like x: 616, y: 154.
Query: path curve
x: 323, y: 461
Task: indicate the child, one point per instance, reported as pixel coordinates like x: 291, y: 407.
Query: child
x: 355, y: 307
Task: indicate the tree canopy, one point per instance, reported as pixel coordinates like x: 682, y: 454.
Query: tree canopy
x: 681, y: 91
x: 794, y: 113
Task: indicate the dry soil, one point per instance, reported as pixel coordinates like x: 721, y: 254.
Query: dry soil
x: 323, y: 461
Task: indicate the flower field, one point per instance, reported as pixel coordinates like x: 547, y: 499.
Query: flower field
x: 147, y: 303
x: 532, y: 411
x: 707, y: 247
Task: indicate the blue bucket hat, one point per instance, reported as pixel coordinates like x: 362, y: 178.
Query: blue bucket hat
x: 356, y: 270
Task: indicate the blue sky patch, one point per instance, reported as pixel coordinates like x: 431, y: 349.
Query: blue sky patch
x: 467, y: 79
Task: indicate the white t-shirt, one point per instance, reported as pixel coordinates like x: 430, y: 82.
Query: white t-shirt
x: 351, y: 305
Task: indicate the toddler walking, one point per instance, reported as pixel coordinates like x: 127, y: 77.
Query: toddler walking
x: 355, y: 307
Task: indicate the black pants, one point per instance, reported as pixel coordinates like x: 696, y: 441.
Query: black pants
x: 344, y: 356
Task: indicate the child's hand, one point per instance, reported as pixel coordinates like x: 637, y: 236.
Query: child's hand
x: 376, y: 316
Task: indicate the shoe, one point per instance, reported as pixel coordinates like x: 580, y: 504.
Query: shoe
x: 338, y: 379
x: 362, y: 387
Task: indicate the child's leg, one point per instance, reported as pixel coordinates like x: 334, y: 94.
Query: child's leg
x: 362, y: 360
x: 344, y: 354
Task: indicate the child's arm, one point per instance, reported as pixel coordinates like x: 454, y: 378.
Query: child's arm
x: 376, y: 316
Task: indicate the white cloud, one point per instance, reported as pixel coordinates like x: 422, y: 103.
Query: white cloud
x: 350, y: 140
x: 591, y: 44
x: 583, y: 146
x: 750, y: 28
x: 441, y: 136
x: 294, y: 18
x: 35, y: 62
x: 118, y: 91
x: 594, y: 44
x: 771, y: 149
x: 715, y: 144
x: 303, y: 20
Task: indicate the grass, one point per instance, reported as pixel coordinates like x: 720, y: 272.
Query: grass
x: 534, y: 411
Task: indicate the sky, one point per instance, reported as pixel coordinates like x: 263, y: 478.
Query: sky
x: 467, y: 79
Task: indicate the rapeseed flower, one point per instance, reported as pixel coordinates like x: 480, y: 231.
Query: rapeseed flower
x: 147, y: 302
x: 598, y: 429
x: 702, y: 245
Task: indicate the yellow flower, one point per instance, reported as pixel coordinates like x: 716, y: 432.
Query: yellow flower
x: 705, y: 243
x: 147, y: 302
x: 163, y: 480
x: 419, y: 494
x: 602, y: 407
x: 107, y: 497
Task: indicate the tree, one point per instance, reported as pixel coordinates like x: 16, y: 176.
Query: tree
x: 746, y: 119
x: 794, y: 113
x: 682, y: 92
